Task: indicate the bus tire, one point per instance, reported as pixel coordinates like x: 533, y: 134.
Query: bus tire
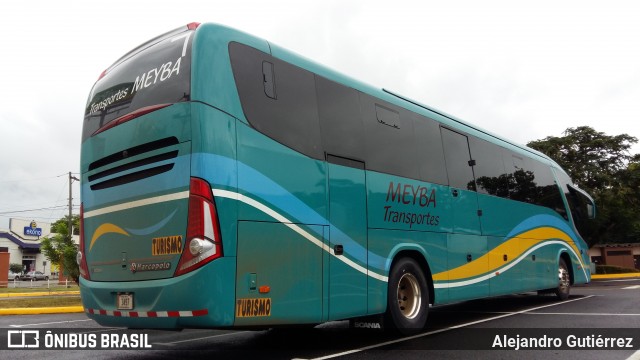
x: 407, y: 298
x: 564, y: 281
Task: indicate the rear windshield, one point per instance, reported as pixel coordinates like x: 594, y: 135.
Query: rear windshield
x: 155, y: 73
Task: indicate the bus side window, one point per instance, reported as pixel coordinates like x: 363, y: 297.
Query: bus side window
x: 532, y: 182
x: 389, y: 141
x: 522, y: 186
x: 429, y: 154
x: 458, y: 159
x: 547, y: 190
x: 340, y: 119
x: 491, y: 176
x: 289, y: 116
x: 581, y: 206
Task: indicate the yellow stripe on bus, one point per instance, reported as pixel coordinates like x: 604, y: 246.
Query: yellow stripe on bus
x: 106, y: 229
x: 512, y: 248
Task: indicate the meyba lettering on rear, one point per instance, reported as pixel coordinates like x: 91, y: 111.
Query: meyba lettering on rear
x: 157, y: 75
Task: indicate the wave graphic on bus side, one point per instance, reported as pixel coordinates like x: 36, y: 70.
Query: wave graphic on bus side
x: 476, y: 271
x: 528, y: 232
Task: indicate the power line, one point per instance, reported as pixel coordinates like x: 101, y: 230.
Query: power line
x: 38, y: 179
x: 29, y: 210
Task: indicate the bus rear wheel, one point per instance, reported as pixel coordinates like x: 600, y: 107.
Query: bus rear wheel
x: 408, y: 298
x: 564, y: 281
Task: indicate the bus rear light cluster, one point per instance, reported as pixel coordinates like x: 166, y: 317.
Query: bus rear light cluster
x: 80, y: 258
x: 203, y: 243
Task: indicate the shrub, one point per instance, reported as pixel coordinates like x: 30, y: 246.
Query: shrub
x: 610, y: 269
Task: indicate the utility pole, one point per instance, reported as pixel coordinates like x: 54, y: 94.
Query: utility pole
x: 71, y: 178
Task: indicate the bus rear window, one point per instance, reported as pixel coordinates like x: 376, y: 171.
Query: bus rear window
x: 157, y: 72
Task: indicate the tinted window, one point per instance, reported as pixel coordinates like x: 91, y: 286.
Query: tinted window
x: 429, y: 156
x: 532, y: 182
x: 547, y: 191
x: 157, y: 73
x: 522, y: 186
x: 456, y: 154
x: 340, y: 121
x: 489, y: 169
x: 317, y: 116
x: 278, y: 99
x: 578, y: 204
x: 390, y: 138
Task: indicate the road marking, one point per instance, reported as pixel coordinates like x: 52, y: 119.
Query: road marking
x: 631, y: 287
x: 543, y: 313
x: 584, y: 314
x: 348, y: 352
x: 101, y: 330
x: 616, y: 280
x: 202, y: 338
x: 49, y: 323
x: 635, y: 356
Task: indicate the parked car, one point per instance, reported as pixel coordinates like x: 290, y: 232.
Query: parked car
x: 34, y: 275
x: 14, y: 275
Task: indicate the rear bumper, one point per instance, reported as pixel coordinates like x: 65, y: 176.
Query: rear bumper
x: 202, y: 298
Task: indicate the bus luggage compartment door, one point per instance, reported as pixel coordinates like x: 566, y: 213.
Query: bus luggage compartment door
x: 279, y: 273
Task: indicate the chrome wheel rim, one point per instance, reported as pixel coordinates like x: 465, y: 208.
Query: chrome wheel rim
x: 563, y: 279
x: 409, y: 296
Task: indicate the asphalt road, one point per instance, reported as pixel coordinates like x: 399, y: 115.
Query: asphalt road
x: 603, y: 309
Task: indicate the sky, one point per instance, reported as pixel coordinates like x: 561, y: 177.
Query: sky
x: 524, y: 70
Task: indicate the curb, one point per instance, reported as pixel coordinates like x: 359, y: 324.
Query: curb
x: 42, y: 310
x: 615, y: 276
x: 72, y: 292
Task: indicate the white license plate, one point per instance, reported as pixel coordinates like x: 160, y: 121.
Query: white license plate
x: 125, y: 301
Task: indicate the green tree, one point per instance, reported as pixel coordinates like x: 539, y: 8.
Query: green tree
x: 15, y: 268
x: 60, y: 248
x: 593, y: 159
x: 604, y: 167
x: 61, y: 225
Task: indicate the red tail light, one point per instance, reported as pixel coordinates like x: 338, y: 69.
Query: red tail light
x: 203, y: 243
x: 81, y: 259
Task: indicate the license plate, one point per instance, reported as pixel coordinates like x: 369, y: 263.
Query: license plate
x: 125, y: 301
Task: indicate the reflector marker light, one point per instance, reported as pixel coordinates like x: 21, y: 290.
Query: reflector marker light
x: 193, y: 25
x: 208, y: 223
x: 150, y: 314
x: 80, y: 258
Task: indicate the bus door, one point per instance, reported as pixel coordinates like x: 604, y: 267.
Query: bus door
x: 348, y: 238
x: 466, y: 245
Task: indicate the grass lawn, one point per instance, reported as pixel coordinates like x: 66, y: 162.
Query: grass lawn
x: 27, y: 289
x: 44, y: 301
